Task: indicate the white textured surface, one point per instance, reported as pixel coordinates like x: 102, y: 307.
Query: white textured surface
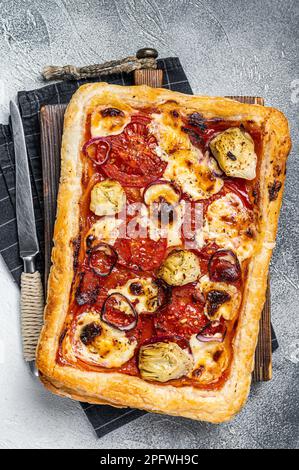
x: 226, y: 47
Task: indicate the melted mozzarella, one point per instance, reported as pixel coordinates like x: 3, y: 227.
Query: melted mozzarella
x: 146, y: 300
x: 168, y: 131
x: 105, y: 230
x: 229, y: 309
x: 102, y: 126
x: 110, y: 349
x: 191, y: 171
x: 226, y: 223
x: 186, y: 164
x: 210, y: 359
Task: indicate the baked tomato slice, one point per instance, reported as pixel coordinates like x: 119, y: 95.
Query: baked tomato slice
x: 141, y: 254
x: 118, y: 277
x: 148, y: 254
x: 184, y: 315
x: 88, y: 288
x: 123, y: 250
x: 213, y: 331
x: 133, y: 160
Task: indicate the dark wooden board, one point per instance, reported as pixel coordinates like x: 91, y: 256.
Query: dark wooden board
x: 51, y: 120
x: 51, y: 132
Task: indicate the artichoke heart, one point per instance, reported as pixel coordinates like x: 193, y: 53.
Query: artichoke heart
x: 180, y: 268
x: 107, y: 198
x: 234, y: 151
x: 163, y: 362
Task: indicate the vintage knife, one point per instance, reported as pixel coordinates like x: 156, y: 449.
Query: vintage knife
x: 32, y: 299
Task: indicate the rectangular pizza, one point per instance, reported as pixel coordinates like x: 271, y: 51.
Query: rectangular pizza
x: 167, y: 215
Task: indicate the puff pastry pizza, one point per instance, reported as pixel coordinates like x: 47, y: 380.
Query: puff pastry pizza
x: 167, y: 216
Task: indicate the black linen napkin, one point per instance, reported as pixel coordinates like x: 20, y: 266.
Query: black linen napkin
x: 103, y: 418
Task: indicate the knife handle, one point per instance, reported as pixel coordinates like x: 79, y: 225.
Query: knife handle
x: 32, y: 307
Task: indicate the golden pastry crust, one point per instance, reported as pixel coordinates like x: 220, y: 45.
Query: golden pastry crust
x: 119, y: 389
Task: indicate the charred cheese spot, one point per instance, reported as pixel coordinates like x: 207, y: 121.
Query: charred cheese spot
x: 234, y: 151
x: 105, y: 230
x: 107, y: 198
x: 180, y: 268
x: 226, y: 223
x: 168, y: 130
x: 109, y: 119
x: 142, y: 293
x: 221, y: 299
x: 109, y: 348
x: 90, y: 332
x: 211, y: 359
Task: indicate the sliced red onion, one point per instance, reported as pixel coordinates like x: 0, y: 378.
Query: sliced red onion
x: 174, y: 188
x: 114, y: 303
x: 209, y: 339
x: 164, y: 292
x: 140, y: 118
x: 224, y: 266
x: 95, y: 156
x: 101, y: 255
x: 205, y: 335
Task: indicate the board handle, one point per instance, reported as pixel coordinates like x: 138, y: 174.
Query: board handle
x: 150, y: 77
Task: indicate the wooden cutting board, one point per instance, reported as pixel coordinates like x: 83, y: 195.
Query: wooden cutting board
x: 51, y: 119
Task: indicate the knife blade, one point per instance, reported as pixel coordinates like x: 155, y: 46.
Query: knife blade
x: 31, y: 286
x: 28, y: 243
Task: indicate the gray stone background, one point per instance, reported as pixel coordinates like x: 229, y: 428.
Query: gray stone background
x: 226, y: 47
